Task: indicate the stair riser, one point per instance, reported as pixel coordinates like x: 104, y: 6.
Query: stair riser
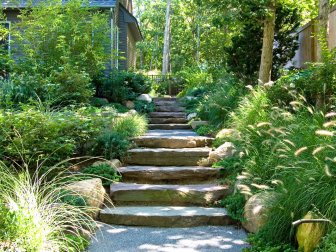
x: 169, y: 109
x: 167, y: 120
x: 169, y: 127
x: 167, y: 103
x: 167, y: 115
x: 174, y: 178
x: 164, y: 221
x: 169, y: 99
x: 172, y: 143
x: 166, y: 197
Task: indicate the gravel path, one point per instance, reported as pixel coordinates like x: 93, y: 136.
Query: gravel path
x: 197, y: 239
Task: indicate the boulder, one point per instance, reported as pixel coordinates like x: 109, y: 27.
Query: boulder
x: 225, y: 133
x: 224, y: 151
x: 92, y: 191
x: 191, y: 116
x: 190, y: 98
x: 145, y: 97
x: 132, y: 112
x: 114, y: 163
x: 195, y: 124
x: 309, y: 235
x: 255, y: 211
x: 129, y: 104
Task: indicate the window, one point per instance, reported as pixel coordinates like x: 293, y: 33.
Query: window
x: 5, y: 38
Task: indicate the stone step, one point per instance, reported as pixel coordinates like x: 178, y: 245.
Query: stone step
x: 167, y: 115
x: 169, y: 174
x: 167, y: 103
x: 167, y: 157
x: 165, y: 216
x: 167, y: 120
x: 171, y: 195
x: 169, y: 109
x: 158, y: 99
x: 172, y: 142
x: 169, y: 126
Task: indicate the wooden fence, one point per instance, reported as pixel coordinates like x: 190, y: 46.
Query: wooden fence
x: 307, y: 51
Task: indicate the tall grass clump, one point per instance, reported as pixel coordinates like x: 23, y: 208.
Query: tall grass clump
x: 35, y: 217
x: 130, y: 126
x: 220, y: 100
x: 290, y: 153
x: 252, y: 108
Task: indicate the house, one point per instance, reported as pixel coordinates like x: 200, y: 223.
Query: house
x: 124, y: 32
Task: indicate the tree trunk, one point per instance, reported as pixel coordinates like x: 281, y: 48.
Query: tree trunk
x: 166, y: 47
x: 323, y: 27
x: 267, y: 48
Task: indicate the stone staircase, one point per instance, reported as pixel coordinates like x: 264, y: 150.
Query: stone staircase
x: 163, y: 186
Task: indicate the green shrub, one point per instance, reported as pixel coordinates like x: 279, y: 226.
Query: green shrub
x: 72, y: 86
x: 78, y: 40
x: 121, y: 86
x: 130, y: 126
x: 193, y: 78
x: 103, y: 171
x: 260, y: 245
x: 72, y: 199
x: 222, y: 98
x: 235, y: 206
x: 63, y: 134
x: 144, y: 107
x: 206, y: 130
x: 328, y: 243
x: 99, y: 102
x: 112, y: 145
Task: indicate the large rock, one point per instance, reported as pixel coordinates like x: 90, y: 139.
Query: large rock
x: 225, y: 133
x: 255, y: 211
x: 195, y: 124
x: 145, y: 97
x: 224, y: 151
x: 191, y: 116
x: 129, y: 104
x: 92, y: 191
x: 309, y: 235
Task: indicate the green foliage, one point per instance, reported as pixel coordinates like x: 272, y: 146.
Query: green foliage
x: 72, y: 86
x: 130, y: 126
x: 111, y: 145
x: 72, y: 199
x: 103, y: 171
x: 99, y: 102
x: 235, y: 206
x: 316, y: 84
x: 222, y: 98
x: 260, y: 245
x: 253, y: 108
x: 122, y: 86
x: 144, y: 107
x: 206, y: 130
x: 62, y: 134
x: 245, y: 52
x: 328, y: 243
x: 51, y: 35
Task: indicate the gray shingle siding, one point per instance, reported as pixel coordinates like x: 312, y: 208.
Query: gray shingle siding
x: 24, y: 3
